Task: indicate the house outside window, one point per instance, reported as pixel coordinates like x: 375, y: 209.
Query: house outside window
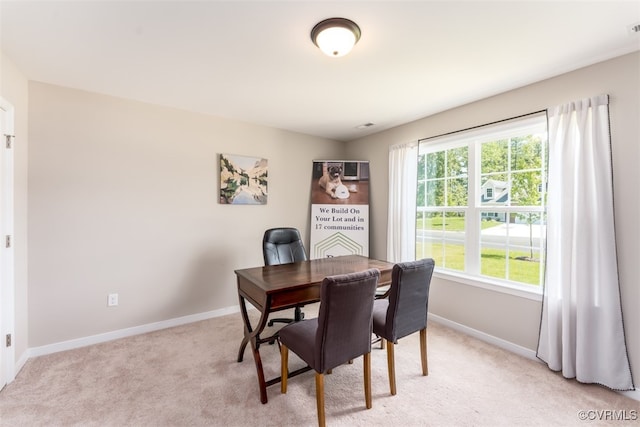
x: 481, y: 205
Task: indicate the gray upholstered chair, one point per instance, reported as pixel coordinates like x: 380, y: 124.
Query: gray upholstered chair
x: 340, y: 333
x: 283, y: 246
x: 405, y: 310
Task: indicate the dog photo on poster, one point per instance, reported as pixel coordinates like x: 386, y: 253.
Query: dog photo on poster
x: 339, y: 208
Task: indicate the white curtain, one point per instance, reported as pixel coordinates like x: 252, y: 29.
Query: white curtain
x: 581, y: 329
x: 403, y: 170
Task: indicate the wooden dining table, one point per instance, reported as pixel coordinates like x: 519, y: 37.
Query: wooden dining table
x: 278, y: 287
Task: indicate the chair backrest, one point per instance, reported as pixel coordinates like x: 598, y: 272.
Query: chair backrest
x: 408, y: 298
x: 345, y: 318
x: 282, y: 246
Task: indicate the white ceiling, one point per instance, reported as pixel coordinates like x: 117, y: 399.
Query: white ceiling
x: 255, y: 62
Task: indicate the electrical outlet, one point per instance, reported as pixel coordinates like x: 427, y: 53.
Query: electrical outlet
x: 112, y: 301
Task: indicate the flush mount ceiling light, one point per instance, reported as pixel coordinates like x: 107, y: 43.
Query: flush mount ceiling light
x: 335, y: 36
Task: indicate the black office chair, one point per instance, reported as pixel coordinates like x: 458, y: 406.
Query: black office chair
x: 340, y: 333
x: 405, y: 311
x: 283, y: 246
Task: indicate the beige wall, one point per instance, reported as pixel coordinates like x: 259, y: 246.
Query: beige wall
x: 509, y: 317
x: 14, y: 89
x: 123, y: 198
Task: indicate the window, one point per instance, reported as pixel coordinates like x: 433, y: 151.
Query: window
x: 481, y: 202
x: 488, y: 193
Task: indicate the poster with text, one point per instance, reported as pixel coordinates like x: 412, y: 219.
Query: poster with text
x: 339, y: 208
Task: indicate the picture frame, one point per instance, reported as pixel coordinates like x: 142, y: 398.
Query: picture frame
x: 243, y: 180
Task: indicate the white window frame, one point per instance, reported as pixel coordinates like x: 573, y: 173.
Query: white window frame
x: 531, y: 124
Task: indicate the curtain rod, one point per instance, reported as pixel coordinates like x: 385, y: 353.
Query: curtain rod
x: 480, y: 126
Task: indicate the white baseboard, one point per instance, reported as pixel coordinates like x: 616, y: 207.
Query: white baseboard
x: 509, y: 346
x: 122, y: 333
x: 498, y: 342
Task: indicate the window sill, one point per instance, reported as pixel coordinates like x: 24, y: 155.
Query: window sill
x: 502, y: 287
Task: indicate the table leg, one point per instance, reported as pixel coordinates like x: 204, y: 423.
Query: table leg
x: 253, y: 336
x: 261, y: 382
x: 247, y: 327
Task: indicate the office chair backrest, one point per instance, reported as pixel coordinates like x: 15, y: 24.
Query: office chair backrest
x: 282, y: 246
x: 408, y: 298
x: 345, y: 318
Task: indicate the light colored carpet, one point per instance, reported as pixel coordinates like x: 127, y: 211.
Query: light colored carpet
x: 188, y: 376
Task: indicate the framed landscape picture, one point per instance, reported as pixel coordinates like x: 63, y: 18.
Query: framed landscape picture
x: 243, y: 180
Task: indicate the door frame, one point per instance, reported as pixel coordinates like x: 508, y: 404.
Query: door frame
x: 7, y: 280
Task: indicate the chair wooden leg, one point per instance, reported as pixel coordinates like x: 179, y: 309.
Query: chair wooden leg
x: 382, y: 343
x: 391, y: 367
x: 367, y: 379
x: 320, y: 398
x: 284, y: 368
x: 423, y: 351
